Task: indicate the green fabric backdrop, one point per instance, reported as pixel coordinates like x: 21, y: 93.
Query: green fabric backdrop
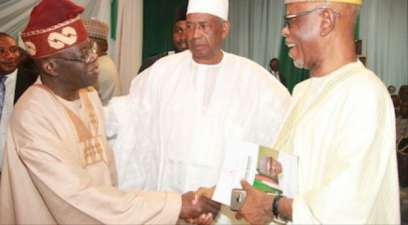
x: 292, y: 74
x: 114, y: 18
x: 158, y: 17
x: 157, y: 37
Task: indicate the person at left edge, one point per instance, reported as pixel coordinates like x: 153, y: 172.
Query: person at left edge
x: 58, y: 168
x: 17, y: 73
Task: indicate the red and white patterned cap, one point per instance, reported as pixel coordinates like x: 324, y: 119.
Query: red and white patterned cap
x: 54, y: 26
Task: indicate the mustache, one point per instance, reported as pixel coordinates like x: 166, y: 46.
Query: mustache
x: 197, y: 41
x: 9, y: 62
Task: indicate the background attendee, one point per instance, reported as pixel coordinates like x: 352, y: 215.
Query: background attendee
x: 274, y: 70
x: 402, y: 136
x: 17, y: 73
x: 403, y: 93
x: 179, y: 37
x: 341, y: 127
x: 402, y: 144
x: 391, y: 89
x: 395, y: 99
x: 108, y: 84
x: 359, y: 47
x: 58, y: 168
x: 172, y: 127
x: 401, y: 121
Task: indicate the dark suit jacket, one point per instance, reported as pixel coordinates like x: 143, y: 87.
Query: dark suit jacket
x: 281, y: 78
x: 149, y: 61
x: 27, y: 74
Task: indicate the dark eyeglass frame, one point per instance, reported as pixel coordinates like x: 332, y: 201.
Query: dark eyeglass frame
x: 290, y: 17
x: 86, y: 57
x: 11, y: 50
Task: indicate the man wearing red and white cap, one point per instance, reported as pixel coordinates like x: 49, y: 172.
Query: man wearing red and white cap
x: 341, y: 128
x: 58, y: 168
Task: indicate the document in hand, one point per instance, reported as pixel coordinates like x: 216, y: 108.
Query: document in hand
x: 248, y: 161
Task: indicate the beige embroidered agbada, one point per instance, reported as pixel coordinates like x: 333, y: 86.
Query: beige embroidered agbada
x: 50, y: 178
x: 342, y: 128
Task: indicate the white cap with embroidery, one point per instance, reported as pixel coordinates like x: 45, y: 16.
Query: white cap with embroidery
x: 214, y: 7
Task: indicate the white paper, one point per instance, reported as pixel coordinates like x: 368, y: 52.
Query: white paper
x: 288, y: 180
x: 240, y: 162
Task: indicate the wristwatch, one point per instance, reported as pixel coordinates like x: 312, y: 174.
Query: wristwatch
x: 275, y: 205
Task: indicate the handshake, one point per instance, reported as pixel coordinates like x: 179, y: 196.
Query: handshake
x: 198, y: 208
x: 255, y: 207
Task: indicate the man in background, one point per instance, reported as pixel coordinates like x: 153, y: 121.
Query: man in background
x: 274, y: 70
x: 341, y: 128
x: 58, y: 168
x: 172, y: 127
x: 402, y: 117
x: 402, y: 135
x: 108, y: 84
x: 17, y: 73
x: 179, y: 37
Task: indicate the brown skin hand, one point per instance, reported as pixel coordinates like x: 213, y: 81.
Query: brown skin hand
x: 257, y: 208
x: 194, y: 206
x: 66, y: 71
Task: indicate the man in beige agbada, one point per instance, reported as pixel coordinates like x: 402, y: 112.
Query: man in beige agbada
x: 58, y: 168
x: 341, y: 126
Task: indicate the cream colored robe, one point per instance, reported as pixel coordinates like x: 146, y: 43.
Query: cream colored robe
x: 43, y: 181
x: 342, y: 128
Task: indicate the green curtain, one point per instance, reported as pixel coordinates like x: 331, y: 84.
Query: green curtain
x: 357, y: 29
x: 292, y: 74
x: 114, y: 18
x: 158, y: 19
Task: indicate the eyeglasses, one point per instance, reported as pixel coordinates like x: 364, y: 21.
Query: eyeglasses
x: 12, y: 50
x: 291, y: 17
x: 87, y: 55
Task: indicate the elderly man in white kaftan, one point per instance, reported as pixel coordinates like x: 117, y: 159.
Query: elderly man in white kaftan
x: 58, y: 168
x: 341, y: 128
x: 172, y: 127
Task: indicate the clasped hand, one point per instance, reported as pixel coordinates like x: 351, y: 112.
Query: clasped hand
x: 198, y: 208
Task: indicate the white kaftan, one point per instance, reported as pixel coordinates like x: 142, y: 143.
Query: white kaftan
x: 170, y: 130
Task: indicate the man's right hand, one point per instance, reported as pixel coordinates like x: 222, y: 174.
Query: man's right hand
x: 193, y: 206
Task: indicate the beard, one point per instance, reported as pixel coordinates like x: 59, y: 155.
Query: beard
x: 300, y: 64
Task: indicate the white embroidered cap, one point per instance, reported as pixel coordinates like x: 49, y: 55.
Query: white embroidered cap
x: 214, y: 7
